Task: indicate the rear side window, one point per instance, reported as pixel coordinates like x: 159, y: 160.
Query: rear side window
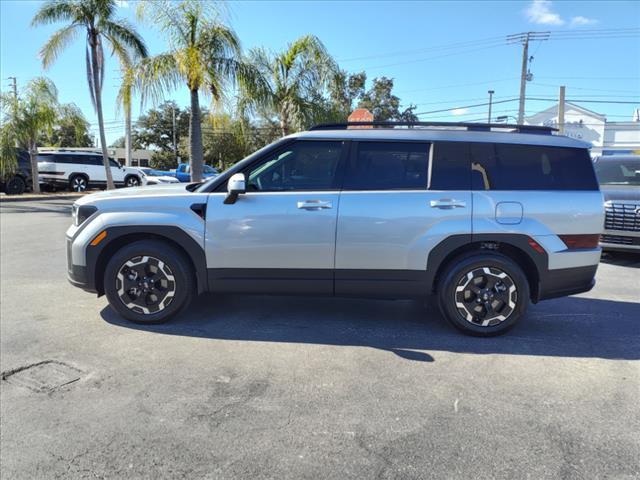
x: 450, y: 167
x: 530, y: 167
x: 388, y: 166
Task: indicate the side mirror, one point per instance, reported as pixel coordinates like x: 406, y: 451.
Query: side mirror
x: 235, y: 186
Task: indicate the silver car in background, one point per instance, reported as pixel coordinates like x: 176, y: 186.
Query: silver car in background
x: 619, y: 177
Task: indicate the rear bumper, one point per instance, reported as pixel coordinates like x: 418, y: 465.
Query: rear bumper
x: 566, y: 281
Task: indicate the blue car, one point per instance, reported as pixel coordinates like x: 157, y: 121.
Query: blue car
x: 183, y: 172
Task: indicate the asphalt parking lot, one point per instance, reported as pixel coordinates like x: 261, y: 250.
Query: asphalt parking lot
x: 291, y: 387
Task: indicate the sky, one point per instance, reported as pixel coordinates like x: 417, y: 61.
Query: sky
x: 444, y: 56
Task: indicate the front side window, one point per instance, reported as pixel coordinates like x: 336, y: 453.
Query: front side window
x: 619, y: 171
x: 530, y: 167
x: 304, y: 165
x: 388, y: 166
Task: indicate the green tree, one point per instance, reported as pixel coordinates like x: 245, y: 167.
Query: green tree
x: 384, y: 105
x: 154, y: 129
x: 344, y: 90
x: 26, y: 119
x: 295, y: 81
x: 204, y: 55
x: 71, y: 129
x: 96, y: 19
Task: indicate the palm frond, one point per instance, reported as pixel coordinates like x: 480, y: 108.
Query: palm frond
x: 124, y: 34
x: 156, y: 76
x: 55, y: 11
x: 57, y: 43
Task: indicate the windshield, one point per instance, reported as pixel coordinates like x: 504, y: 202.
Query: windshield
x: 625, y: 171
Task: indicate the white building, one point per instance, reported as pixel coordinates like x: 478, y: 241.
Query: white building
x: 606, y: 137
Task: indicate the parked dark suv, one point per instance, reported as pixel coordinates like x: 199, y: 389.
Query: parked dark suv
x: 20, y: 181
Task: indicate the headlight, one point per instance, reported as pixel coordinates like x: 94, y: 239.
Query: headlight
x: 81, y: 213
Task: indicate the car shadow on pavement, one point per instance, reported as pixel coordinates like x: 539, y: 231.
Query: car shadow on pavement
x: 11, y: 207
x: 621, y: 259
x: 568, y: 327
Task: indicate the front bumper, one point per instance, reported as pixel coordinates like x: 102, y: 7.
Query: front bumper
x: 620, y: 241
x: 77, y: 274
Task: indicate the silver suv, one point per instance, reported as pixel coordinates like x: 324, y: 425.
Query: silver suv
x: 485, y: 217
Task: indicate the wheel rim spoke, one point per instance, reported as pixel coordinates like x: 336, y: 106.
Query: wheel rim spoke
x: 145, y: 284
x: 485, y: 296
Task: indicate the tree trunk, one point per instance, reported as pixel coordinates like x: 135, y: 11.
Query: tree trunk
x: 33, y: 156
x: 195, y: 139
x: 284, y: 122
x: 127, y: 136
x: 98, y: 96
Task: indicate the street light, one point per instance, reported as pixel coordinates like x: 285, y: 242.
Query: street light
x: 491, y: 92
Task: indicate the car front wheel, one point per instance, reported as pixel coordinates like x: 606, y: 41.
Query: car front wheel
x: 132, y: 181
x: 483, y: 294
x: 148, y: 282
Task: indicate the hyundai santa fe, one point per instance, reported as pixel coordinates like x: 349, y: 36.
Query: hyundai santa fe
x: 487, y: 218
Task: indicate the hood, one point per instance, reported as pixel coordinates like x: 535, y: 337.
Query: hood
x: 620, y: 192
x: 150, y: 191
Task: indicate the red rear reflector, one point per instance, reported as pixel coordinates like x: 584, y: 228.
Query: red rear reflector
x: 535, y: 245
x: 580, y: 241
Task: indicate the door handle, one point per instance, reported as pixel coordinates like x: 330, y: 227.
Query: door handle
x: 314, y: 205
x: 447, y: 204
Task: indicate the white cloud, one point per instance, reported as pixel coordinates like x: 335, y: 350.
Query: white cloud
x: 459, y: 111
x: 540, y: 12
x: 123, y: 3
x: 580, y: 20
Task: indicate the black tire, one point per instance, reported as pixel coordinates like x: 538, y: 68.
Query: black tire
x: 484, y: 303
x: 78, y: 183
x: 132, y: 181
x: 173, y: 296
x: 15, y: 186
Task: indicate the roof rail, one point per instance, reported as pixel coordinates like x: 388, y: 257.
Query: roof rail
x: 476, y: 127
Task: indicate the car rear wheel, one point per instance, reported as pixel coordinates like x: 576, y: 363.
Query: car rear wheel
x: 149, y: 282
x: 15, y: 186
x: 78, y: 183
x: 132, y: 181
x: 483, y: 294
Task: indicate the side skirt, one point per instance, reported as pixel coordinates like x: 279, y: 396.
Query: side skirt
x: 323, y: 282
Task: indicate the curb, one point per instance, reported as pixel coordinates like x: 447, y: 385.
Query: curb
x: 41, y: 197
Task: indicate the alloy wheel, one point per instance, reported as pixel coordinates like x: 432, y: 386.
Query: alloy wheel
x: 79, y: 184
x: 485, y: 296
x: 132, y: 182
x: 145, y: 284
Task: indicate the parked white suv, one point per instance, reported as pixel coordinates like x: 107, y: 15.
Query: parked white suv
x: 485, y: 220
x: 80, y: 170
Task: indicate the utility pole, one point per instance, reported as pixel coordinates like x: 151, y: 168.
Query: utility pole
x: 175, y: 147
x: 561, y: 110
x: 525, y: 75
x: 491, y: 92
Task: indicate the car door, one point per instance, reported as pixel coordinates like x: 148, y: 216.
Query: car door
x: 280, y: 235
x: 117, y: 172
x: 399, y: 201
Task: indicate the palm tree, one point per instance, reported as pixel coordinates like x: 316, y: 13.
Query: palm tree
x: 296, y: 78
x: 97, y: 19
x: 204, y: 55
x: 26, y: 118
x: 125, y: 95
